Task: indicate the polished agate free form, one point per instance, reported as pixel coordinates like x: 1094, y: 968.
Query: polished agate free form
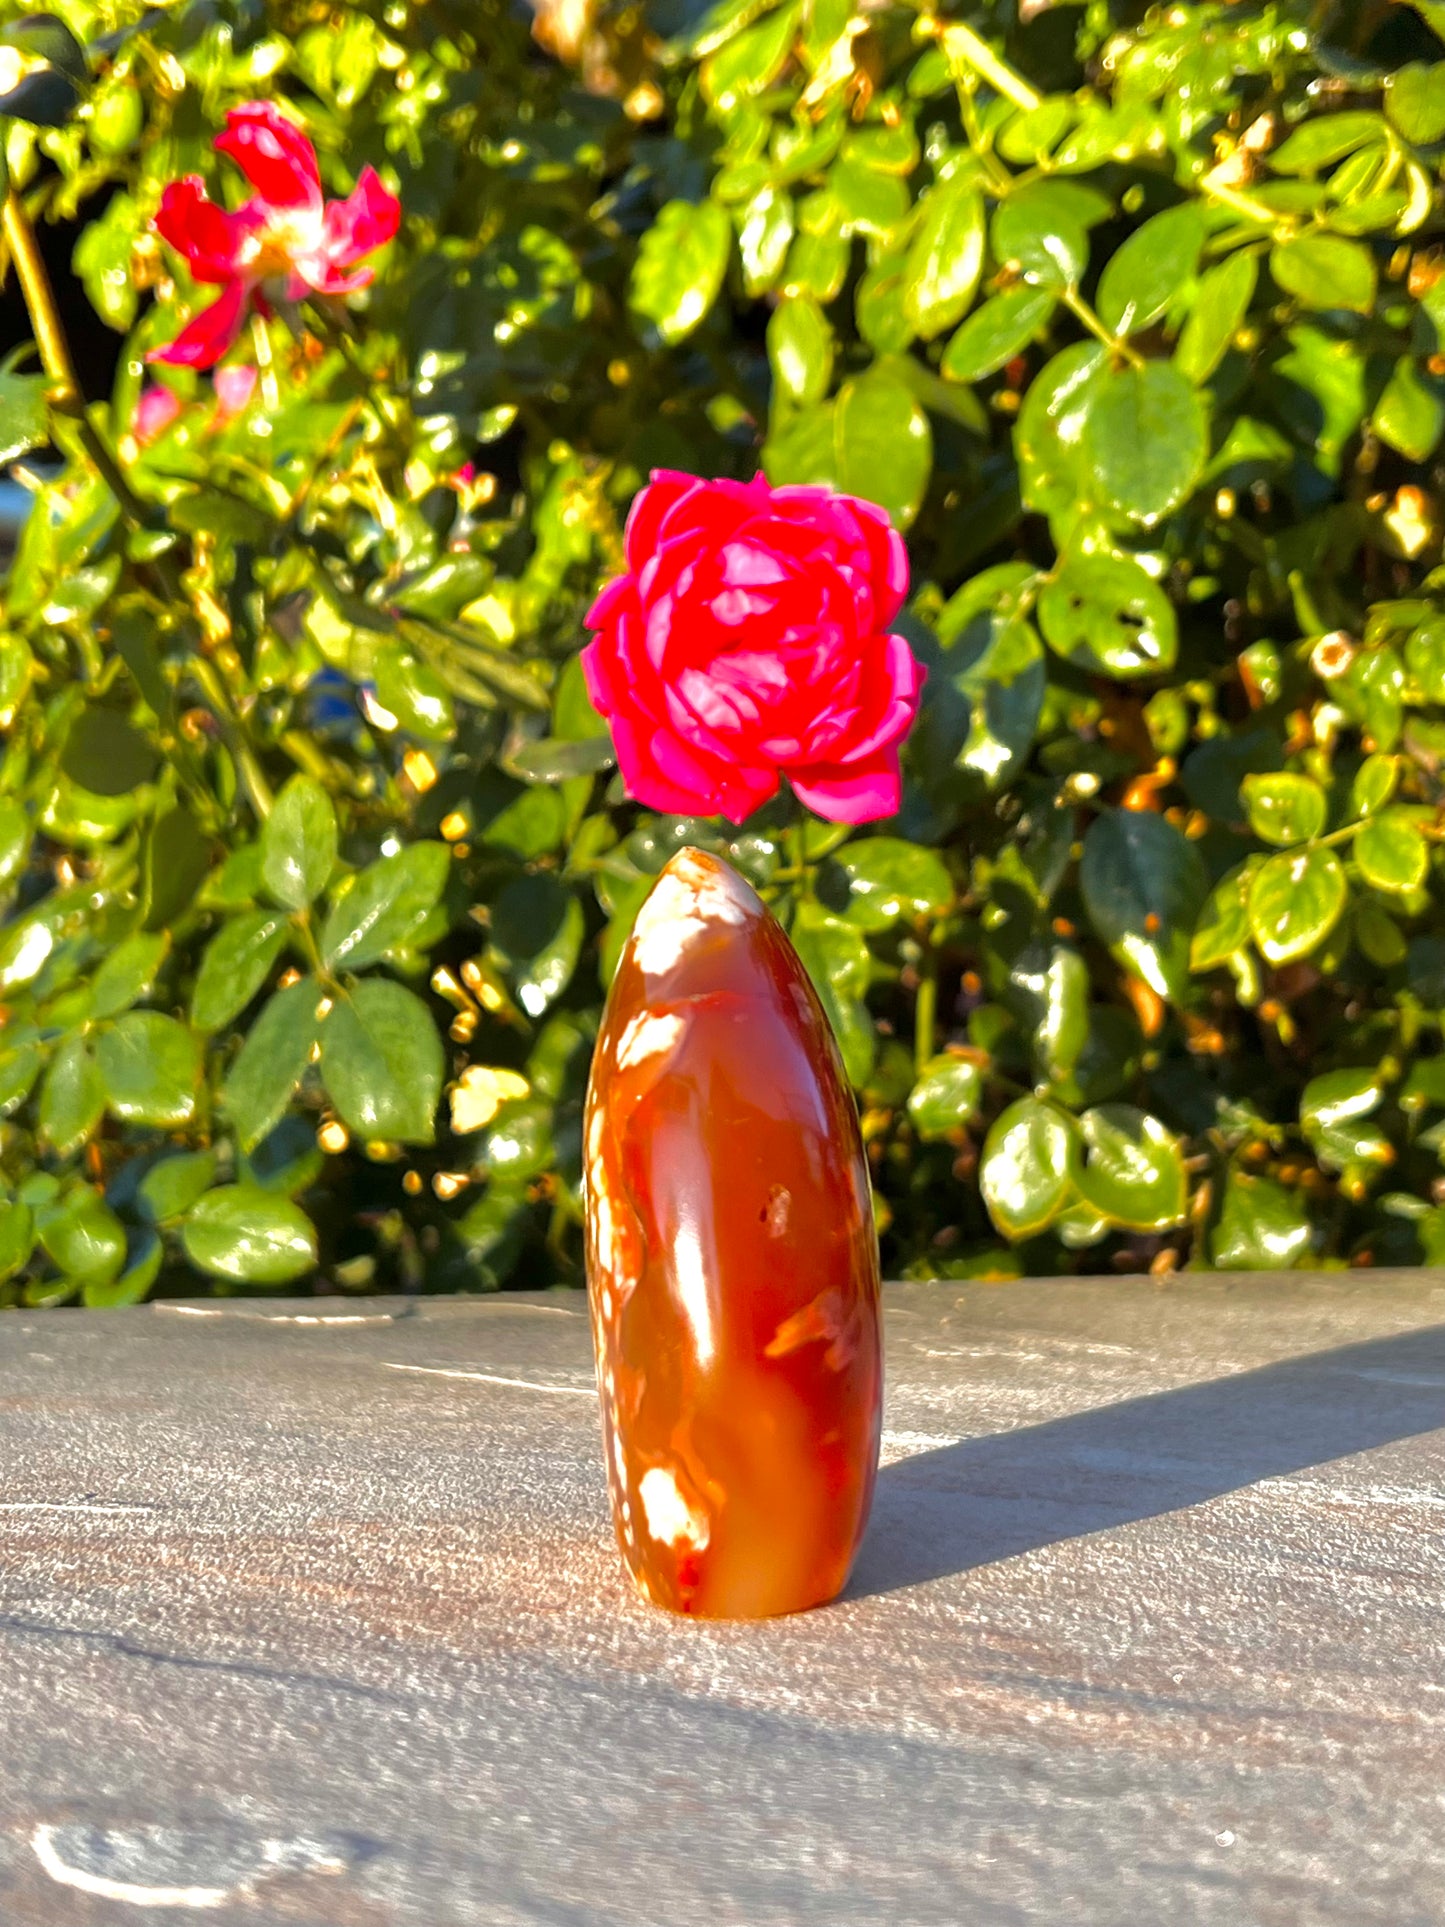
x: 732, y: 1262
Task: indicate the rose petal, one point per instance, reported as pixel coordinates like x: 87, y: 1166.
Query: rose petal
x: 892, y: 714
x: 273, y: 153
x: 366, y: 220
x: 203, y: 341
x: 234, y: 389
x: 861, y: 793
x: 208, y: 239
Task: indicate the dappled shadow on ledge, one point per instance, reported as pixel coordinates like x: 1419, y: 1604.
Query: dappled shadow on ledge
x: 962, y: 1506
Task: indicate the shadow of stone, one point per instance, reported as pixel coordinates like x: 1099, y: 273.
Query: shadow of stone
x: 967, y: 1505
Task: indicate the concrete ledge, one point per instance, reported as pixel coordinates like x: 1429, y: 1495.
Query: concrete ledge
x: 310, y: 1613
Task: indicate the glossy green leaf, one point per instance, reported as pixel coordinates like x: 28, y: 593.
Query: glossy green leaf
x: 1410, y: 414
x: 236, y: 964
x: 128, y: 973
x: 1144, y: 440
x: 800, y: 349
x: 1037, y: 230
x: 175, y: 857
x: 1325, y: 271
x: 385, y: 906
x: 837, y: 959
x: 83, y: 1236
x: 250, y: 1236
x: 72, y: 1098
x: 1223, y: 927
x: 417, y: 697
x: 946, y: 1097
x: 133, y: 1284
x: 1415, y: 100
x: 1260, y: 1228
x: 1144, y: 885
x: 17, y: 1237
x: 1133, y: 1172
x: 1283, y: 807
x: 1030, y: 1167
x: 1391, y: 852
x: 298, y: 844
x: 1148, y: 270
x: 382, y: 1063
x: 150, y: 1066
x: 14, y: 839
x: 1295, y: 900
x: 1104, y: 613
x: 1220, y: 303
x: 272, y: 1060
x: 889, y: 878
x: 172, y: 1186
x: 680, y: 267
x: 1049, y: 434
x: 537, y: 932
x: 945, y: 258
x: 883, y: 444
x: 1002, y: 328
x: 24, y: 416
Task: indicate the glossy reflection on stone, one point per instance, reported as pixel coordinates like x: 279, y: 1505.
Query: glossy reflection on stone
x: 732, y: 1263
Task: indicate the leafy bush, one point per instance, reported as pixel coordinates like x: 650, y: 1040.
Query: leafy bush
x: 315, y: 869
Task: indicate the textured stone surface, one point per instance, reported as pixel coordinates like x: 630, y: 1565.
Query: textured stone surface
x: 732, y: 1264
x: 323, y: 1623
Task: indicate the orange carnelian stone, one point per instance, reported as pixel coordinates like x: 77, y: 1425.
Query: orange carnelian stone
x: 732, y: 1264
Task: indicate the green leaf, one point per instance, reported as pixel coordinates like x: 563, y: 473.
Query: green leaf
x: 1415, y: 101
x: 151, y: 1068
x: 19, y: 1068
x: 889, y: 878
x: 415, y: 695
x: 1148, y: 270
x: 1133, y: 1172
x: 1062, y: 1028
x: 237, y: 963
x: 1144, y: 439
x: 945, y: 258
x: 1221, y: 301
x: 298, y: 844
x: 1333, y: 1110
x: 1410, y: 414
x: 1374, y: 784
x: 981, y: 708
x: 1030, y: 1167
x: 680, y: 266
x: 868, y: 201
x: 1324, y: 271
x: 14, y: 839
x: 128, y: 973
x: 764, y: 237
x: 553, y: 761
x: 1002, y: 328
x: 800, y: 350
x: 250, y: 1236
x: 1260, y: 1228
x: 272, y: 1061
x: 171, y: 1187
x: 1144, y: 884
x: 1391, y: 853
x: 1325, y: 139
x: 24, y: 416
x: 1049, y: 433
x: 946, y: 1098
x: 1295, y: 900
x: 1037, y: 230
x: 17, y: 1238
x: 107, y: 755
x: 83, y: 1236
x: 385, y: 906
x: 883, y: 445
x: 382, y: 1062
x: 1104, y: 612
x: 175, y: 858
x: 1282, y: 807
x: 1223, y: 927
x: 838, y: 961
x: 101, y: 1294
x: 537, y: 933
x: 72, y: 1097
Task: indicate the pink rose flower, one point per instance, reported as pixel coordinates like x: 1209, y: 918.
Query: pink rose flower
x: 234, y: 388
x: 749, y: 640
x: 286, y: 242
x: 155, y: 410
